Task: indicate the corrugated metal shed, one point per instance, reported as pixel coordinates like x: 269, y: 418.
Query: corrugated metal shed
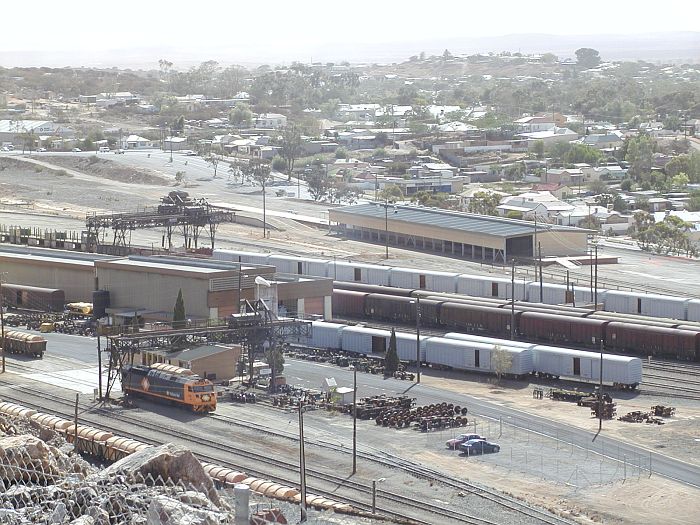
x: 467, y: 222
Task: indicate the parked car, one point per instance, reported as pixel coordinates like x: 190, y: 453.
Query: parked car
x: 119, y: 151
x: 453, y: 444
x: 478, y: 446
x: 76, y: 150
x: 104, y: 149
x: 41, y: 150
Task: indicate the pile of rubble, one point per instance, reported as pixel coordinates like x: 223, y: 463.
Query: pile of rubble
x: 43, y: 481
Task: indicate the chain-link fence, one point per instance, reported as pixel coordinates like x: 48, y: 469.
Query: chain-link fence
x: 43, y: 481
x: 560, y: 457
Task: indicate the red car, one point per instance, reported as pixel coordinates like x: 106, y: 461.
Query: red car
x: 453, y: 444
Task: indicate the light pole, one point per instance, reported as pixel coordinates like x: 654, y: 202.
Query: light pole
x: 374, y: 493
x: 386, y: 229
x: 302, y: 463
x: 418, y: 339
x: 2, y: 325
x: 512, y: 300
x: 354, y: 419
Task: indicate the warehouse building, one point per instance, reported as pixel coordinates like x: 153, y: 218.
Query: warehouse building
x: 72, y: 272
x: 147, y: 286
x: 480, y: 237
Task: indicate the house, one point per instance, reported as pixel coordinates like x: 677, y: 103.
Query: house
x: 174, y: 143
x: 16, y: 131
x: 603, y: 173
x: 610, y: 140
x: 576, y: 215
x: 550, y: 136
x: 270, y: 121
x: 560, y: 191
x: 540, y: 204
x: 137, y: 142
x: 659, y: 204
x: 563, y: 176
x: 540, y: 122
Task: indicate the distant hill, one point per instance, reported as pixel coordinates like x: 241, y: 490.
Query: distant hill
x: 653, y: 47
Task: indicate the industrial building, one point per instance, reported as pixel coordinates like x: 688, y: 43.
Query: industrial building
x: 481, y: 237
x: 72, y: 272
x: 147, y: 286
x: 215, y: 362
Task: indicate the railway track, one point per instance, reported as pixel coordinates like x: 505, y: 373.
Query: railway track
x: 392, y: 461
x: 362, y: 492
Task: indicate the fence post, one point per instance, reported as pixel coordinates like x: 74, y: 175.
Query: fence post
x: 624, y: 463
x: 500, y: 433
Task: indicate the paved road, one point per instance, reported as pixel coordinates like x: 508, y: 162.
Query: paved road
x: 312, y: 375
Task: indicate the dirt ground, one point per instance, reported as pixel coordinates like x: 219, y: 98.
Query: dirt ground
x: 105, y: 168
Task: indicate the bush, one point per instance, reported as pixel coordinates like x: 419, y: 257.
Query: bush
x: 279, y: 164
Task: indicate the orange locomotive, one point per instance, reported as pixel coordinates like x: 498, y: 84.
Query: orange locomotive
x: 189, y: 391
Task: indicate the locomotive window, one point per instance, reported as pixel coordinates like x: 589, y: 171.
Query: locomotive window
x: 358, y: 274
x: 203, y: 388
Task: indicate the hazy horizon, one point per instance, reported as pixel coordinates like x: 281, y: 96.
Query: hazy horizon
x: 137, y: 34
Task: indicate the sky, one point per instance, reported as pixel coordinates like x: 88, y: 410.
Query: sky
x: 297, y: 29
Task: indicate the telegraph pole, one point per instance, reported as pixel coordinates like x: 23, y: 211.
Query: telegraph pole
x: 418, y: 339
x: 302, y: 463
x: 354, y: 419
x: 539, y: 250
x: 595, y: 301
x: 2, y: 325
x: 512, y: 300
x: 386, y: 229
x: 600, y: 390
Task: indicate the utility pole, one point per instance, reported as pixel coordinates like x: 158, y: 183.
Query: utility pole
x: 417, y: 339
x: 539, y: 250
x: 512, y: 300
x: 386, y: 229
x: 354, y: 419
x: 600, y: 390
x: 302, y: 463
x: 534, y: 246
x: 2, y: 324
x: 595, y: 300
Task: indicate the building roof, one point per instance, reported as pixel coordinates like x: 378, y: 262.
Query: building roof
x: 190, y: 354
x: 468, y: 222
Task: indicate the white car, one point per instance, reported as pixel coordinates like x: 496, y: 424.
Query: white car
x: 118, y: 151
x: 41, y: 150
x: 76, y: 150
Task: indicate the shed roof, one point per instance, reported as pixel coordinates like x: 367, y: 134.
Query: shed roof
x: 198, y: 352
x: 468, y: 222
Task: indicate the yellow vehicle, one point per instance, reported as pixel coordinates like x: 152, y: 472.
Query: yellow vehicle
x: 46, y: 327
x: 80, y: 308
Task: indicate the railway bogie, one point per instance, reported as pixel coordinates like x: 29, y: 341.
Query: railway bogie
x: 16, y: 342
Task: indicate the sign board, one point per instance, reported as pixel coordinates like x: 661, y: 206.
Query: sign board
x: 265, y: 371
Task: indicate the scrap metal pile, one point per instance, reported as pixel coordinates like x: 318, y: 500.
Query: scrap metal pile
x: 653, y: 417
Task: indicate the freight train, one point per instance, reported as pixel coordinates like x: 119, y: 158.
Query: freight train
x: 533, y: 322
x: 486, y: 286
x: 476, y: 353
x: 188, y: 391
x: 16, y: 342
x: 25, y: 297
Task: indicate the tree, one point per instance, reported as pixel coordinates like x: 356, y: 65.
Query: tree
x: 694, y: 202
x: 549, y: 58
x: 446, y: 55
x: 179, y: 177
x: 680, y: 181
x: 639, y: 155
x: 484, y: 203
x: 291, y: 147
x: 341, y: 153
x: 275, y: 359
x: 214, y: 163
x: 501, y: 361
x: 179, y: 316
x: 179, y: 125
x: 538, y: 148
x: 597, y: 186
x: 672, y: 122
x: 626, y: 184
x: 587, y: 58
x: 391, y: 193
x: 241, y: 115
x: 319, y: 185
x: 279, y: 164
x: 391, y: 361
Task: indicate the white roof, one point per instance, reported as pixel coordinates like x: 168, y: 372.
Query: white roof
x: 18, y: 126
x: 136, y: 138
x: 550, y: 133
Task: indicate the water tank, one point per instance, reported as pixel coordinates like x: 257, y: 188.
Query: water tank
x: 100, y: 302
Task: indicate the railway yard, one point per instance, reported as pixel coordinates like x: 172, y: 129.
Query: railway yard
x: 551, y: 462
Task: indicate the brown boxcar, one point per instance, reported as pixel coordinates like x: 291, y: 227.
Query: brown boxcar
x: 371, y: 288
x: 33, y: 298
x: 401, y: 309
x: 349, y: 303
x: 475, y: 318
x: 652, y: 340
x: 562, y: 328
